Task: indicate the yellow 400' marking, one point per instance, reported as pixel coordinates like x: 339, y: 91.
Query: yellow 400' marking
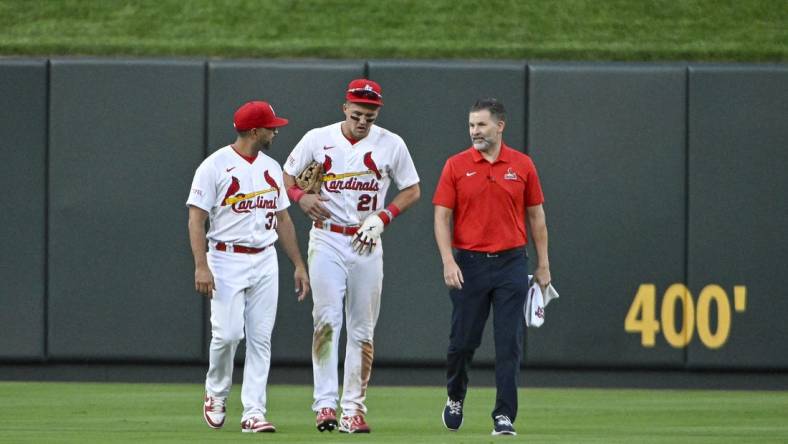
x: 641, y: 316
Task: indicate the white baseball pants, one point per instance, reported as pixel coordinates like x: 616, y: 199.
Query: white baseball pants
x: 245, y: 299
x: 337, y: 273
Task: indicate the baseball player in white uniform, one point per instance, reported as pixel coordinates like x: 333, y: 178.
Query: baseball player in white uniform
x: 360, y: 162
x: 241, y: 191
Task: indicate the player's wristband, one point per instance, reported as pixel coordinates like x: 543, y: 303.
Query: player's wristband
x: 294, y: 193
x: 389, y: 213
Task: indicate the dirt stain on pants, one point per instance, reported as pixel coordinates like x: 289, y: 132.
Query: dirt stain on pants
x: 367, y: 352
x: 321, y: 342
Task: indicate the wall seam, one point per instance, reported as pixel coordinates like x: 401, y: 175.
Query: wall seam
x: 686, y: 196
x: 47, y: 201
x: 205, y: 134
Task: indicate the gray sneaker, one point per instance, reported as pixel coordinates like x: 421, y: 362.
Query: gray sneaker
x: 452, y: 414
x: 502, y: 425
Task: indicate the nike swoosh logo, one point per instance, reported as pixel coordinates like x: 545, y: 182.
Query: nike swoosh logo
x: 470, y: 173
x: 326, y: 147
x: 230, y: 169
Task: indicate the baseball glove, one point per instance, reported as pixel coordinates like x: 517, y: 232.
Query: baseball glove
x: 311, y: 179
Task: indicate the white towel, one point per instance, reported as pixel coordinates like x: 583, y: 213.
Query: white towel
x: 534, y: 307
x: 535, y: 303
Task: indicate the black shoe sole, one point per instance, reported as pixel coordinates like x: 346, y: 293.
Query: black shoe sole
x: 327, y: 426
x: 507, y: 433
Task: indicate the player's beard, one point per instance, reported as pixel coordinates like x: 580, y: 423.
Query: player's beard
x: 265, y: 146
x: 482, y: 143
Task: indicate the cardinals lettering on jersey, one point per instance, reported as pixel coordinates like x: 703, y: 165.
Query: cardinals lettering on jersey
x: 245, y: 202
x: 356, y: 176
x: 352, y: 180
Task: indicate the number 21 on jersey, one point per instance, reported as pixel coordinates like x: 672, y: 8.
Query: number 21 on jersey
x: 367, y: 202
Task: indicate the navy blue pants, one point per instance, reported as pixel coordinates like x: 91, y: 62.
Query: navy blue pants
x: 500, y: 281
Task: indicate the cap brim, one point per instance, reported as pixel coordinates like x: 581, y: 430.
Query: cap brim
x: 353, y: 99
x: 278, y: 122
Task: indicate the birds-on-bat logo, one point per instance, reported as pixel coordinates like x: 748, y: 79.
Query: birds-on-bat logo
x: 352, y: 180
x: 369, y: 163
x: 270, y: 180
x: 235, y: 186
x: 327, y: 163
x: 245, y: 202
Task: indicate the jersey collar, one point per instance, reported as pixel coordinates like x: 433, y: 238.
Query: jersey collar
x: 246, y: 158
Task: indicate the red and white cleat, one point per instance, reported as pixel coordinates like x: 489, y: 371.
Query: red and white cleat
x: 353, y: 424
x: 326, y: 419
x: 257, y: 424
x: 213, y: 410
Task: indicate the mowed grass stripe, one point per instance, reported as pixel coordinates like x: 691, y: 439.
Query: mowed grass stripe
x: 171, y: 413
x: 726, y: 30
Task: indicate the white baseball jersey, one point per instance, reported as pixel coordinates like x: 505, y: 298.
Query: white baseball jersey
x: 241, y: 198
x: 356, y: 176
x: 356, y: 179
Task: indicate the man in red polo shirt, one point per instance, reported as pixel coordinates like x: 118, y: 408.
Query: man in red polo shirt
x: 487, y: 191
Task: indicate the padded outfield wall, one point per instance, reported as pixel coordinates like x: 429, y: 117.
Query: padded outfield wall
x: 665, y: 194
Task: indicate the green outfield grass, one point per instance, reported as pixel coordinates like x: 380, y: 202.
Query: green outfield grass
x: 171, y: 413
x: 719, y: 30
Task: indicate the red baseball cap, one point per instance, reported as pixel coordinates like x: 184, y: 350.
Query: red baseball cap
x: 256, y: 114
x: 364, y: 91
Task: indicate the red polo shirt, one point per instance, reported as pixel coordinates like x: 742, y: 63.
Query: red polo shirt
x: 489, y: 200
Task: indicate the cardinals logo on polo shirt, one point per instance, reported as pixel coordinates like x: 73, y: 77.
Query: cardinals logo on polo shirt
x: 510, y: 175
